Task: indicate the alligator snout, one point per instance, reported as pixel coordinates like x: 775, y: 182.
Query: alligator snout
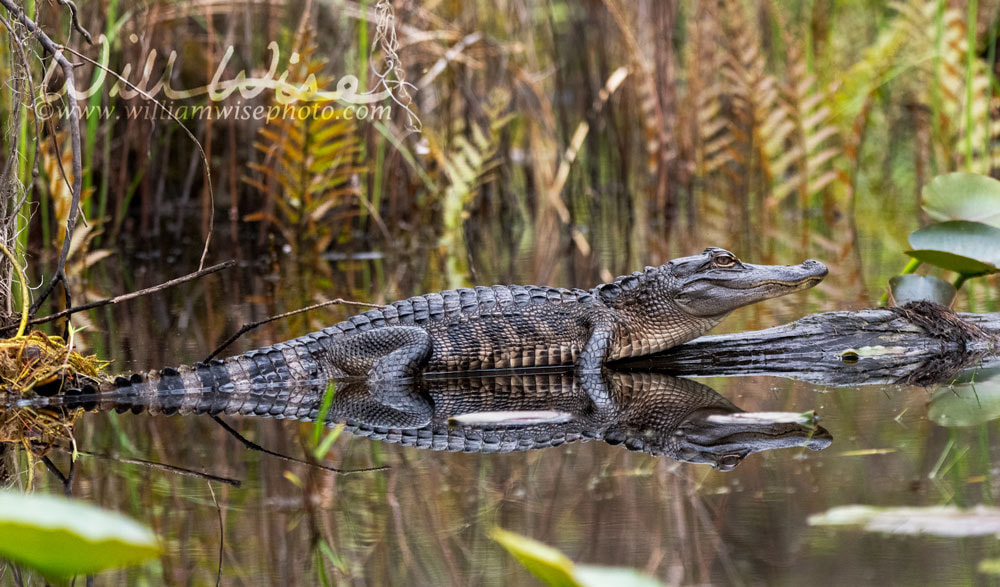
x: 818, y: 268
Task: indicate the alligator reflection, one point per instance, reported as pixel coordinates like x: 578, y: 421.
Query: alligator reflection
x: 516, y: 411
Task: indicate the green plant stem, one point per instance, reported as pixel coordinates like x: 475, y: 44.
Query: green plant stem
x: 969, y: 63
x: 961, y: 279
x: 910, y: 267
x: 25, y: 165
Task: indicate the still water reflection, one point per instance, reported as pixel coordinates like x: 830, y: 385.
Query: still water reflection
x: 425, y: 520
x: 498, y: 413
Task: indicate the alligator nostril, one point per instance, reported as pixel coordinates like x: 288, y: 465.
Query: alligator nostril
x: 813, y: 263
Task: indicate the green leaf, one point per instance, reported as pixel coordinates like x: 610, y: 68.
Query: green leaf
x: 914, y: 288
x: 548, y: 564
x: 556, y: 570
x: 324, y: 411
x: 963, y: 196
x: 968, y: 248
x: 61, y: 538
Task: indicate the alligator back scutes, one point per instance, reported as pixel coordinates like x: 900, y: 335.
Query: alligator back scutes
x: 453, y: 302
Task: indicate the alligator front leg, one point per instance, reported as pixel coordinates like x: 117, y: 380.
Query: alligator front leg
x: 382, y: 354
x: 595, y: 351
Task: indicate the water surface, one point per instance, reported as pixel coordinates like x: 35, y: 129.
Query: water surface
x: 425, y: 519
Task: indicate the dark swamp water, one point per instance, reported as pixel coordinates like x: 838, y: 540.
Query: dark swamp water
x: 589, y: 166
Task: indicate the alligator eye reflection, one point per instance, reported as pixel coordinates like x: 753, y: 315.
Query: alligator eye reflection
x: 728, y: 462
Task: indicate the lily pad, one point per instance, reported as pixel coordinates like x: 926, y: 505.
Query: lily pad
x: 60, y: 537
x: 949, y: 521
x: 963, y: 196
x: 971, y: 402
x: 554, y: 568
x: 915, y: 288
x: 969, y: 248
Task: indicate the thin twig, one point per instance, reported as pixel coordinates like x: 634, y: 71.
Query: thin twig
x: 222, y: 535
x: 254, y: 446
x: 76, y: 21
x: 66, y: 483
x: 134, y: 294
x: 248, y: 327
x: 204, y: 157
x: 74, y: 128
x: 159, y: 467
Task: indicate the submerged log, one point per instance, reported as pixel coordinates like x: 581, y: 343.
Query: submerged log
x: 920, y: 343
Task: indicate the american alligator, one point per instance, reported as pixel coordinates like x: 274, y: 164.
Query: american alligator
x: 508, y: 327
x: 649, y: 412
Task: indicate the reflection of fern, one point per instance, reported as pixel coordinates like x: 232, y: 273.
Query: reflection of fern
x: 311, y: 168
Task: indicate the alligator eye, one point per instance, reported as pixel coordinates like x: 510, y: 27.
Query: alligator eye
x: 728, y: 462
x: 724, y: 261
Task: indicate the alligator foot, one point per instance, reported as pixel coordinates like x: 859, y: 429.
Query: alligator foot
x: 383, y: 354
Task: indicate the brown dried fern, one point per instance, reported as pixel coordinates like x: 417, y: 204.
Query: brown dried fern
x: 312, y: 167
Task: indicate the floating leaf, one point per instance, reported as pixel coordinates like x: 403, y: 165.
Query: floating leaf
x: 947, y: 521
x: 61, y: 537
x: 974, y: 399
x: 554, y: 568
x: 969, y: 248
x: 916, y: 288
x: 963, y: 196
x: 512, y: 418
x: 865, y: 452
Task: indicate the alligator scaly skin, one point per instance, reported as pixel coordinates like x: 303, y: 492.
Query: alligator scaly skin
x: 647, y: 412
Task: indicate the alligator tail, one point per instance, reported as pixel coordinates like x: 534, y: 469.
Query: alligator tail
x: 258, y: 383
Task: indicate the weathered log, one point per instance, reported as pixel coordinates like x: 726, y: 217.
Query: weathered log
x: 919, y: 343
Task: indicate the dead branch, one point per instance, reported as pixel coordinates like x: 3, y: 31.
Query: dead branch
x: 248, y: 327
x: 158, y: 466
x: 919, y: 343
x: 134, y: 294
x: 76, y: 21
x: 254, y: 446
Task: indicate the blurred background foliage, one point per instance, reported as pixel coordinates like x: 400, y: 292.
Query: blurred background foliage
x: 561, y: 142
x: 776, y: 128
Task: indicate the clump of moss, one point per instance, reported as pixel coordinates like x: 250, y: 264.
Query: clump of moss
x: 38, y: 361
x: 42, y: 364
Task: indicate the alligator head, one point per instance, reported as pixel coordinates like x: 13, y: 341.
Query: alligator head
x: 723, y: 439
x: 688, y: 421
x: 664, y: 306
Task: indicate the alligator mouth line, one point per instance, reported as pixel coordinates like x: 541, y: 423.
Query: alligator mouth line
x: 808, y: 282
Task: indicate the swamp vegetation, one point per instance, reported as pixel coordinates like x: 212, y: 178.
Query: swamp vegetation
x: 214, y: 164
